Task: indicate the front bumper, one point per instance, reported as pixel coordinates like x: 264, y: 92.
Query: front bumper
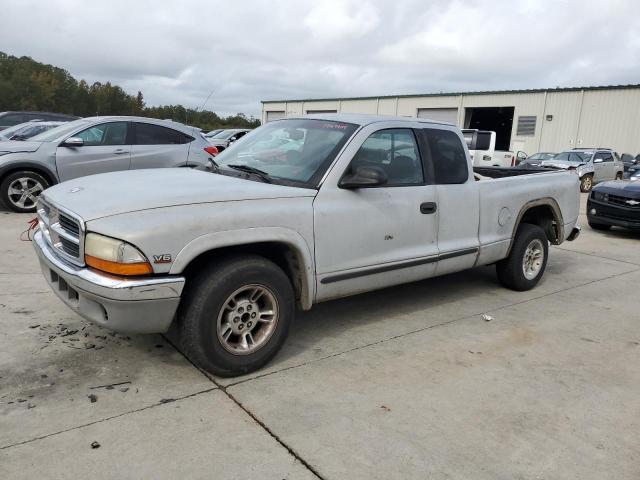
x: 613, y: 215
x: 135, y: 305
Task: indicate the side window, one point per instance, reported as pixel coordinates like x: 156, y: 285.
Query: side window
x: 148, y: 134
x: 607, y: 157
x: 450, y: 164
x: 112, y: 133
x: 396, y: 152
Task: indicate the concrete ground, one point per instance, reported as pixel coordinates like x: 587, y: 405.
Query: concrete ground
x: 409, y: 382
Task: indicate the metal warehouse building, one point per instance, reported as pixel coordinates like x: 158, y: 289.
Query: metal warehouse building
x: 528, y: 120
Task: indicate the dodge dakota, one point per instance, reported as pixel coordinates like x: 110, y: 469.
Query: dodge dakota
x: 230, y: 251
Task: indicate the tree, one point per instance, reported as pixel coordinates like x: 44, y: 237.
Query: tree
x: 29, y: 85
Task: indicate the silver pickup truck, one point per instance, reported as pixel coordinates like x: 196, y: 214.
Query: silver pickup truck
x: 297, y: 212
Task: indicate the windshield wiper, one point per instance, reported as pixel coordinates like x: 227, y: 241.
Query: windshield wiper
x: 246, y: 168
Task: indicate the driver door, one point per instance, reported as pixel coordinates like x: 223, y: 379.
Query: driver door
x: 373, y: 237
x: 106, y: 148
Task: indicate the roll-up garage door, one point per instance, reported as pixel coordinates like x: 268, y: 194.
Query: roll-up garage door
x: 449, y: 115
x: 274, y: 115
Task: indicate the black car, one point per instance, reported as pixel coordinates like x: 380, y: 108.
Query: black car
x: 614, y: 203
x: 628, y: 161
x: 9, y: 119
x: 634, y: 168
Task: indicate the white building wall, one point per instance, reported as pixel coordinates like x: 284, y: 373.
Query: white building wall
x: 600, y: 118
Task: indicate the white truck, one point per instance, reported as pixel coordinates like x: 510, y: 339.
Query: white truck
x: 230, y: 251
x: 483, y: 153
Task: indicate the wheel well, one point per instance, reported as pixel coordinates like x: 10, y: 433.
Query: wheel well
x: 28, y: 168
x: 279, y: 253
x: 545, y: 217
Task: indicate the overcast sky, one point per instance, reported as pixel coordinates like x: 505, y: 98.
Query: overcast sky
x: 252, y: 50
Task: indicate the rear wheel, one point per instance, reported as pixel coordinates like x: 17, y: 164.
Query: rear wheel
x: 20, y: 190
x: 586, y: 183
x: 236, y: 315
x: 619, y: 176
x: 525, y: 265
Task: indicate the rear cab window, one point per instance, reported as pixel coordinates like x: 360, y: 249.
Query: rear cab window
x: 445, y: 154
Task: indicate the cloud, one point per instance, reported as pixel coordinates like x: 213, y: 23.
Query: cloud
x: 341, y: 19
x: 272, y: 49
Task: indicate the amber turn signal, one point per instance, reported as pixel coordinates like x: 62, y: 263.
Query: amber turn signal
x: 140, y: 268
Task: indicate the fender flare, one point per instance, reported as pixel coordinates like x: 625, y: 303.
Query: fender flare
x: 235, y: 238
x: 27, y: 165
x: 557, y: 217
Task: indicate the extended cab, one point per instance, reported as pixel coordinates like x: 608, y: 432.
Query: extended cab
x: 229, y: 252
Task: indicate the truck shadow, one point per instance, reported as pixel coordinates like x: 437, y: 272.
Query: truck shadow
x: 420, y: 303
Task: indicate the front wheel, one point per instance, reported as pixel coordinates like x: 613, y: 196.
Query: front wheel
x: 525, y: 265
x: 236, y: 315
x: 20, y: 190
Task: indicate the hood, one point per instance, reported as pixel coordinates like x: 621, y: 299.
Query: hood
x: 13, y: 146
x: 107, y: 194
x: 561, y: 164
x: 623, y: 188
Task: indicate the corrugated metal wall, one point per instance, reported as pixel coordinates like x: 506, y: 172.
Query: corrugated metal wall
x: 600, y: 118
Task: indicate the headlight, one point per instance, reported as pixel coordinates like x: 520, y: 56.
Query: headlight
x: 114, y: 256
x: 600, y: 196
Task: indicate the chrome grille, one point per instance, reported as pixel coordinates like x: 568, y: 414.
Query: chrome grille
x: 62, y: 230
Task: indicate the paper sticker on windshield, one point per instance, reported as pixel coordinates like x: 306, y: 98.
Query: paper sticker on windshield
x: 336, y: 126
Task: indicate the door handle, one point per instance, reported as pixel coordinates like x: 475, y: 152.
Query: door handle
x: 428, y: 207
x: 120, y: 151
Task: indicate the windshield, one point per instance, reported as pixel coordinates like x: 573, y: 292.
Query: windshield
x: 224, y: 134
x: 294, y: 150
x: 577, y: 157
x: 9, y: 132
x: 60, y: 132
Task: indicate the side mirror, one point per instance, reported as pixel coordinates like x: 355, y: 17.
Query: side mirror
x: 364, y: 177
x: 521, y: 155
x: 597, y: 160
x: 73, y: 142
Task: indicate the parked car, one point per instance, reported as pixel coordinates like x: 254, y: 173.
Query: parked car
x: 535, y: 160
x: 225, y: 138
x: 212, y: 133
x: 592, y: 165
x: 233, y: 249
x: 635, y: 175
x: 9, y: 119
x: 94, y: 145
x: 482, y: 149
x: 24, y: 131
x: 614, y: 204
x: 628, y: 161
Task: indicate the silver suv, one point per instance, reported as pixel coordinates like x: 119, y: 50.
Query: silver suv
x: 593, y: 165
x: 94, y: 145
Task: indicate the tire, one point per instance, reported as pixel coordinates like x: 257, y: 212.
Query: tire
x: 530, y: 239
x: 31, y: 184
x: 599, y: 226
x: 619, y: 176
x: 203, y: 320
x: 586, y: 183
